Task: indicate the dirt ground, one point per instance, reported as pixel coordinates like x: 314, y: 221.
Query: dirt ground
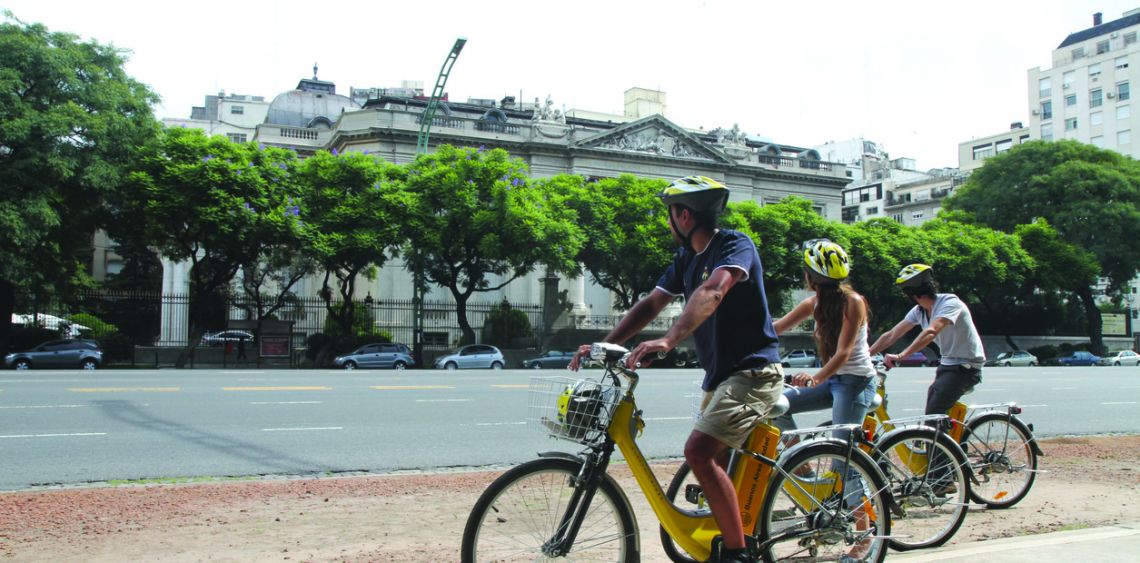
x: 1091, y: 481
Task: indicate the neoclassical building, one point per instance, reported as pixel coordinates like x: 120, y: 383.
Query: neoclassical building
x: 642, y: 142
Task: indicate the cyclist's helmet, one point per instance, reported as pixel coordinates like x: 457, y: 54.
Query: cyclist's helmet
x: 699, y: 193
x: 826, y: 259
x: 914, y: 275
x: 580, y: 408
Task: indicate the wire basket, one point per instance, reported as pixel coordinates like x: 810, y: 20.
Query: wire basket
x: 578, y: 410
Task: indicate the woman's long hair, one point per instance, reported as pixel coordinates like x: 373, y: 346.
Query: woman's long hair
x: 831, y: 302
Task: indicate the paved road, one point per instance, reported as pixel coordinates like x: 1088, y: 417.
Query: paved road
x: 66, y: 427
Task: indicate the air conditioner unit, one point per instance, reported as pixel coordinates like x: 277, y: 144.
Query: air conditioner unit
x: 1035, y: 112
x: 1111, y: 95
x: 1066, y: 86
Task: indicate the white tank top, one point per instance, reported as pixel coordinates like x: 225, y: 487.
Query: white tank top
x: 859, y: 362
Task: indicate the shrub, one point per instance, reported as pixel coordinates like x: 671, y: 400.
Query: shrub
x: 96, y: 327
x: 117, y: 347
x: 505, y: 323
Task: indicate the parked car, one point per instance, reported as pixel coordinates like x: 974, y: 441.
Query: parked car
x: 1013, y: 358
x: 916, y: 359
x: 79, y: 353
x: 1078, y: 358
x: 803, y: 358
x: 1121, y: 358
x: 221, y: 337
x: 472, y: 356
x: 378, y: 355
x: 550, y: 360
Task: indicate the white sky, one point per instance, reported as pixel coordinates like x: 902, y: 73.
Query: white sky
x: 917, y: 76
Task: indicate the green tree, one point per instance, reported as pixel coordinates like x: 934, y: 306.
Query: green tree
x: 215, y: 203
x: 620, y: 217
x: 476, y: 224
x: 70, y: 123
x: 1091, y: 196
x: 779, y: 231
x: 878, y: 249
x: 355, y: 215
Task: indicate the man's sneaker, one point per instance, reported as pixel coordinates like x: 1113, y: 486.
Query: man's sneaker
x: 944, y: 489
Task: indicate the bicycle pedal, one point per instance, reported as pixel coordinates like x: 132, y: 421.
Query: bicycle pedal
x: 694, y: 494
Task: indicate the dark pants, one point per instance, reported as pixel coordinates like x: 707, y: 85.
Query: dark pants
x: 950, y: 383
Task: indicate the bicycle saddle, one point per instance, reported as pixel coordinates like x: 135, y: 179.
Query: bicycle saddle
x: 780, y: 407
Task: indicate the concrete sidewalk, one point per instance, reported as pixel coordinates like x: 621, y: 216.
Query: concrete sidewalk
x: 1109, y: 543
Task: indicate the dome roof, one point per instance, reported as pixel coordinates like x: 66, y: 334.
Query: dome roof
x: 314, y: 103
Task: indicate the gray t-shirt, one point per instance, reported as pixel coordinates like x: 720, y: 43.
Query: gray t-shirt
x: 959, y: 342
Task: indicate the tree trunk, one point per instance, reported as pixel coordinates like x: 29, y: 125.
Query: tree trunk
x: 1092, y: 313
x: 461, y: 313
x: 7, y: 308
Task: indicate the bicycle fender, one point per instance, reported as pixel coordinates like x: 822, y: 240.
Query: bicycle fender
x: 562, y: 455
x: 892, y: 504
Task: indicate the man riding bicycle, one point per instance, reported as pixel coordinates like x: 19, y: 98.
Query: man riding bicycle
x: 726, y: 311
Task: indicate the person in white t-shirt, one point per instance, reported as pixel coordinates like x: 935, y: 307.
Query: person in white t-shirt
x: 946, y: 321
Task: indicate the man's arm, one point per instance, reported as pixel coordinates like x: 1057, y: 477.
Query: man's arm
x: 887, y: 338
x: 925, y: 337
x: 638, y: 316
x: 700, y: 306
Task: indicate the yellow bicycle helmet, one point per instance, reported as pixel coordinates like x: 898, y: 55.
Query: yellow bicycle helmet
x: 826, y: 259
x: 699, y: 193
x: 914, y: 275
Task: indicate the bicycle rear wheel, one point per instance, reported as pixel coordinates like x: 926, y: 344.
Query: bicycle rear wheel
x: 927, y: 474
x: 519, y: 513
x: 819, y: 510
x: 1001, y: 458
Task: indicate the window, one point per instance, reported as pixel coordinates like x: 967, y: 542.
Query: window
x: 1070, y: 100
x: 435, y: 339
x: 1078, y: 53
x: 1047, y: 132
x: 1067, y: 79
x: 236, y: 137
x: 1096, y: 118
x: 1097, y: 141
x: 872, y: 211
x: 1045, y: 87
x: 897, y: 217
x: 1071, y: 124
x: 1023, y: 139
x: 1094, y: 72
x: 1123, y: 92
x: 1096, y: 97
x: 1123, y: 112
x: 237, y: 110
x: 917, y: 214
x: 983, y: 151
x: 1124, y: 137
x: 1102, y: 47
x: 1130, y: 38
x: 1047, y: 109
x: 1121, y: 63
x: 1002, y: 146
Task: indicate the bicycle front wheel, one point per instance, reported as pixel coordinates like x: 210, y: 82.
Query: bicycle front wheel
x: 1001, y: 458
x: 927, y: 474
x: 820, y: 508
x: 519, y: 514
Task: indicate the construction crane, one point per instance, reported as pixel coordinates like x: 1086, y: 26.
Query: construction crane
x: 437, y: 93
x: 418, y: 284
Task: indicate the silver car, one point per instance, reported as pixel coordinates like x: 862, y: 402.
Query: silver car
x: 472, y: 356
x: 78, y: 353
x: 1121, y: 358
x: 379, y: 355
x: 1014, y: 358
x: 804, y: 358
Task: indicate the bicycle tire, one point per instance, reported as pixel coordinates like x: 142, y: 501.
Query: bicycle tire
x: 519, y: 511
x: 823, y: 529
x: 683, y: 476
x: 1001, y: 457
x: 924, y: 518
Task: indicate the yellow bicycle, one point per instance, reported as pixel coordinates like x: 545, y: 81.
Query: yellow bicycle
x: 822, y: 499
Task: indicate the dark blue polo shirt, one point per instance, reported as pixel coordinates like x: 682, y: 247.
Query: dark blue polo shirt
x: 739, y: 335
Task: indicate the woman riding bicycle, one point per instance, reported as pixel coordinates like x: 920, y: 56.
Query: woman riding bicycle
x: 846, y: 382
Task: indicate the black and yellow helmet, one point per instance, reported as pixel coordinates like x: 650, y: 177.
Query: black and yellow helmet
x: 826, y: 259
x: 699, y: 193
x: 914, y: 275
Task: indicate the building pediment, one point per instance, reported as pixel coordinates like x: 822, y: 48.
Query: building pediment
x: 654, y: 136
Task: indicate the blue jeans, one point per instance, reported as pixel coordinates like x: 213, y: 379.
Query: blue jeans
x: 848, y: 396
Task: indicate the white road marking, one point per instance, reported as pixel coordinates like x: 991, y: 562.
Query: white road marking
x: 497, y: 424
x: 302, y: 429
x: 54, y: 435
x: 1033, y: 406
x: 1065, y: 388
x: 1120, y: 403
x: 285, y: 402
x: 244, y: 372
x: 444, y: 400
x: 669, y: 418
x: 45, y: 407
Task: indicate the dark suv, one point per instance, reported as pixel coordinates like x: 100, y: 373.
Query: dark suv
x: 85, y: 354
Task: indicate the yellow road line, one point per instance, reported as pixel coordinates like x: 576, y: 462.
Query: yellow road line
x: 309, y: 388
x: 409, y: 387
x: 124, y: 389
x: 513, y: 386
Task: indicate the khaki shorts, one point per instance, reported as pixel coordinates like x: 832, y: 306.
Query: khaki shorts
x: 736, y: 406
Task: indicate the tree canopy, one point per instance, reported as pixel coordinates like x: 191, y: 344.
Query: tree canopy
x: 70, y: 123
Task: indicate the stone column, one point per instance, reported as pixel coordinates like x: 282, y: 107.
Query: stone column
x: 579, y: 311
x: 175, y: 319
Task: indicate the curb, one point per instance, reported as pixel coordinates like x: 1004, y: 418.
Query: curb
x: 1119, y: 542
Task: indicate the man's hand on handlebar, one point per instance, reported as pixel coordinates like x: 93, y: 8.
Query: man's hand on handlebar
x: 580, y: 355
x: 804, y: 379
x: 890, y: 360
x: 646, y: 352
